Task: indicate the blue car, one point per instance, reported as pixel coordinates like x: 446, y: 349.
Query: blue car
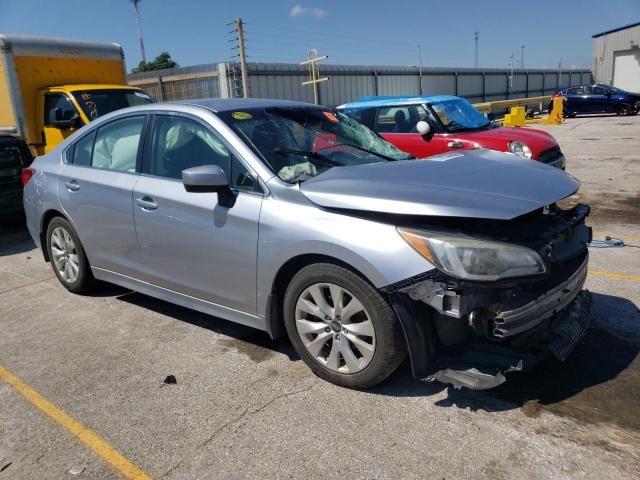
x: 598, y: 98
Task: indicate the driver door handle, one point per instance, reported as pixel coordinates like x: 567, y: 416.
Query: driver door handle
x: 72, y: 185
x: 146, y: 203
x: 455, y: 144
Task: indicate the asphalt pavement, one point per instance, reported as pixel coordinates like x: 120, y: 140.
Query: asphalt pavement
x: 244, y: 406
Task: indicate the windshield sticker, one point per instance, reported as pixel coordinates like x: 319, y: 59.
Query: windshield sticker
x: 331, y: 116
x: 444, y: 157
x: 241, y: 115
x: 91, y: 105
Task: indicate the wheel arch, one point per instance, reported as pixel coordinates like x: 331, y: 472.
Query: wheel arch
x: 44, y: 224
x: 274, y: 312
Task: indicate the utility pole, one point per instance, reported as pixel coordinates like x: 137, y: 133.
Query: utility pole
x: 314, y: 73
x: 559, y: 72
x: 420, y: 67
x: 511, y: 71
x: 243, y: 57
x: 136, y: 11
x: 475, y: 58
x: 522, y: 56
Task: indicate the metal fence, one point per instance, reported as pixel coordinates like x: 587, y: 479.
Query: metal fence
x: 348, y: 82
x: 199, y: 81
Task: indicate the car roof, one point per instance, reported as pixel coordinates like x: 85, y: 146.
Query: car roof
x: 228, y: 104
x: 600, y: 84
x: 392, y: 101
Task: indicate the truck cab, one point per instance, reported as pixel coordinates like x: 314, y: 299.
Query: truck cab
x: 61, y: 110
x: 49, y: 88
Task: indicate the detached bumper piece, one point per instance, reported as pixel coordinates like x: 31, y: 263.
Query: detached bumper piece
x: 482, y: 366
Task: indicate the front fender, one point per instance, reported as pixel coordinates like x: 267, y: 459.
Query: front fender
x: 289, y: 230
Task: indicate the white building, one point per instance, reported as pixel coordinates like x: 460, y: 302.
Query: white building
x: 616, y: 57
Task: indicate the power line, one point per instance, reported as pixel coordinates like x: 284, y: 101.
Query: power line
x: 322, y: 34
x: 334, y: 38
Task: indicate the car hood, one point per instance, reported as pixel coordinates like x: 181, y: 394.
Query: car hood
x: 472, y: 184
x: 537, y: 140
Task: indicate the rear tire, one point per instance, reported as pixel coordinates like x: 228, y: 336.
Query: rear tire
x: 357, y: 343
x: 67, y: 257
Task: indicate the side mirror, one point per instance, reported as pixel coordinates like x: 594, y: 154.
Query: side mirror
x: 56, y: 121
x: 209, y: 178
x: 424, y: 129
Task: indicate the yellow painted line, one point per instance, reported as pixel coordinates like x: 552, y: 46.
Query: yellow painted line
x: 91, y: 439
x: 635, y: 278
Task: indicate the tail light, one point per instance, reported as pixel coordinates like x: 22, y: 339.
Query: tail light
x: 27, y: 173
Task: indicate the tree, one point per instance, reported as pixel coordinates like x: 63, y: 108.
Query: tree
x: 161, y: 62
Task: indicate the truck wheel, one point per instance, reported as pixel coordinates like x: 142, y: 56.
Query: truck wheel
x: 67, y: 256
x: 342, y: 327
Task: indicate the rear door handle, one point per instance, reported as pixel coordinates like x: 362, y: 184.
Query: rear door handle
x: 72, y: 185
x: 146, y: 203
x: 455, y: 144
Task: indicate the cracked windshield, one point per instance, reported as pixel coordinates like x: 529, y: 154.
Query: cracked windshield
x: 458, y: 114
x: 300, y: 143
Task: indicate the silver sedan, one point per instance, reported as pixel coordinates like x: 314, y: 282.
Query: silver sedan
x: 293, y: 218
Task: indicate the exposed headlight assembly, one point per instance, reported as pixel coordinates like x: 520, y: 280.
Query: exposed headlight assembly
x: 521, y: 149
x: 470, y: 259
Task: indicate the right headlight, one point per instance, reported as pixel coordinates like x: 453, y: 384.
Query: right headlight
x: 471, y: 259
x: 521, y: 149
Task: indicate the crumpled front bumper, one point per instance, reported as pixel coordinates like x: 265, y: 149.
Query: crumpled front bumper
x: 482, y: 366
x: 553, y: 324
x: 512, y: 322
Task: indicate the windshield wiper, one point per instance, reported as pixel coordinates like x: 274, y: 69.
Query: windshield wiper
x: 306, y: 153
x: 362, y: 149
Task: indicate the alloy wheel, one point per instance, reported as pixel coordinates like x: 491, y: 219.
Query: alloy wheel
x: 64, y: 255
x: 335, y: 328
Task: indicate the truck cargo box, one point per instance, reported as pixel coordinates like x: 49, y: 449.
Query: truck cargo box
x: 28, y: 64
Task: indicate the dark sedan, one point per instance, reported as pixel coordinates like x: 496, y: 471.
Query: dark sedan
x: 598, y: 98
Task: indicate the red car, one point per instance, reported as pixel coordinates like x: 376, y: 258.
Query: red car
x: 425, y: 126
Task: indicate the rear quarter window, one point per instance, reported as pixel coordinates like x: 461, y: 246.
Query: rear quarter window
x: 81, y: 152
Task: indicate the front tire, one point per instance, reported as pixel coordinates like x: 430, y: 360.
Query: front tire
x: 67, y: 256
x: 624, y: 109
x: 342, y: 327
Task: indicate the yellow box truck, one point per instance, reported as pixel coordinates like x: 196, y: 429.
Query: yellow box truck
x: 48, y: 89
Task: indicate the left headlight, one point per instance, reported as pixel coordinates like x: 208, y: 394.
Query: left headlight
x: 520, y: 148
x: 471, y: 259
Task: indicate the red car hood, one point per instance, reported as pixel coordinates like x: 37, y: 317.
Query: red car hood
x: 499, y: 138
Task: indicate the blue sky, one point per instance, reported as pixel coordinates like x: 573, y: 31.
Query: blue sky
x: 380, y: 32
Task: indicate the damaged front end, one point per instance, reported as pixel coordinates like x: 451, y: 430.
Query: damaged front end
x: 469, y: 332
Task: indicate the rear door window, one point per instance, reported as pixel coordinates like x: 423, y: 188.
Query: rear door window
x: 116, y: 144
